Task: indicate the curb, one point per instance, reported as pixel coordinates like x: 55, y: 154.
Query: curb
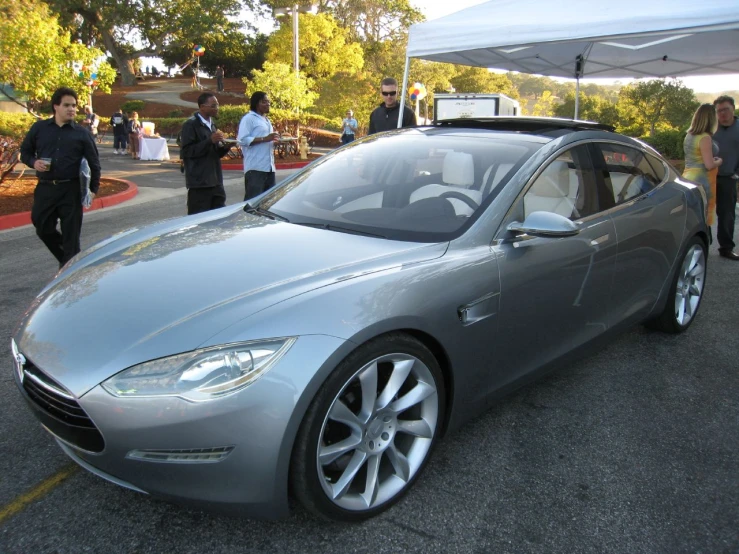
x: 24, y: 218
x: 286, y: 165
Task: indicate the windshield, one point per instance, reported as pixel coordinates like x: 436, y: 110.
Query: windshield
x: 419, y: 185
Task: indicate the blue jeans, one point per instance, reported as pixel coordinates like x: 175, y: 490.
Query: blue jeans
x: 256, y: 182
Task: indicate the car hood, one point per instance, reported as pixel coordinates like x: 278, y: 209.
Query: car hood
x: 169, y: 288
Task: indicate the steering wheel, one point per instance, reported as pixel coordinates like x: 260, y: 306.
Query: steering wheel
x: 459, y: 196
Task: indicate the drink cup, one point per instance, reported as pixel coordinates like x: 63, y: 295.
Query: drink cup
x: 47, y: 161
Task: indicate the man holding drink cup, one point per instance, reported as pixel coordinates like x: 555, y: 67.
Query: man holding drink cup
x: 54, y: 148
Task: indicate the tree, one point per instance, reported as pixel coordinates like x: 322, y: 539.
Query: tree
x: 545, y: 105
x: 324, y: 49
x: 157, y: 26
x: 236, y: 52
x: 286, y: 91
x: 591, y: 108
x: 479, y: 79
x: 659, y: 101
x: 38, y: 56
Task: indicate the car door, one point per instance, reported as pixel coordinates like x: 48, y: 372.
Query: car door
x: 555, y: 290
x: 649, y: 219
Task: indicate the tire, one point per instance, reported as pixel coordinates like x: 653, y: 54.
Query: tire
x: 686, y: 290
x: 370, y: 430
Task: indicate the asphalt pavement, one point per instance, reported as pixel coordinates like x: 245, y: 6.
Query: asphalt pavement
x: 633, y: 449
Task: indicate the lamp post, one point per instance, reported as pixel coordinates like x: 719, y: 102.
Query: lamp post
x: 294, y: 11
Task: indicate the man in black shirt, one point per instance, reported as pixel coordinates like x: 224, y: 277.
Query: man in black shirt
x: 385, y: 116
x: 55, y: 148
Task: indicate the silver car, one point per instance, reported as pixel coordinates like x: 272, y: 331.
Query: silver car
x: 322, y: 338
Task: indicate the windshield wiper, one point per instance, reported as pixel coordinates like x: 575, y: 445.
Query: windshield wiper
x: 248, y: 208
x: 339, y: 229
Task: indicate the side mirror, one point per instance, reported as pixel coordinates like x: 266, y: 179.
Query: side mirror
x: 545, y: 224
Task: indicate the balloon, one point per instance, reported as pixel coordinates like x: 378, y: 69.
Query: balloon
x: 94, y: 76
x: 413, y: 97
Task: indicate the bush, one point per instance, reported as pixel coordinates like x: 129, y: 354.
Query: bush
x: 132, y: 106
x: 176, y: 113
x: 668, y: 143
x: 15, y: 125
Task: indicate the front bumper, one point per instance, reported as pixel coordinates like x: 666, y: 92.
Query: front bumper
x: 253, y: 429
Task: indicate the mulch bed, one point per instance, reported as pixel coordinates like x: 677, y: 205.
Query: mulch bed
x: 16, y: 193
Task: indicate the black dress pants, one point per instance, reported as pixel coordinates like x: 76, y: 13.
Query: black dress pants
x: 205, y: 198
x: 60, y: 202
x: 725, y: 211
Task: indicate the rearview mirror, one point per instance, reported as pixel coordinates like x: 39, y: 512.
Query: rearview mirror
x: 545, y: 224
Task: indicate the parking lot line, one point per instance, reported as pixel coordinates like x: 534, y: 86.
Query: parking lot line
x: 37, y: 492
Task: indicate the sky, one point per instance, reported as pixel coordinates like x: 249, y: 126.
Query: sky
x: 434, y: 9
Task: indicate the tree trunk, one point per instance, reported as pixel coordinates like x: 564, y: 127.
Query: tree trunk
x: 128, y: 74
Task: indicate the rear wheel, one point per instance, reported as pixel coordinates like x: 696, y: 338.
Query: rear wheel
x: 686, y: 291
x: 370, y: 430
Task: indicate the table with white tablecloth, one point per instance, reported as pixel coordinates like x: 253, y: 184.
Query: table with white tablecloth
x: 153, y: 149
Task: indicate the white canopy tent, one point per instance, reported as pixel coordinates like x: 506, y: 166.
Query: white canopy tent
x: 615, y: 38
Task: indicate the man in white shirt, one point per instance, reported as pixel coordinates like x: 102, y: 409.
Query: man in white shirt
x: 256, y: 138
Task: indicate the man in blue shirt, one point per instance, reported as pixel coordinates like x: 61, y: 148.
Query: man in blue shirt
x: 256, y: 138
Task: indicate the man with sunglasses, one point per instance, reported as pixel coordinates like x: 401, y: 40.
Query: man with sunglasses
x: 385, y: 116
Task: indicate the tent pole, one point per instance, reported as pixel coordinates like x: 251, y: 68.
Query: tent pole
x: 402, y: 91
x: 577, y: 97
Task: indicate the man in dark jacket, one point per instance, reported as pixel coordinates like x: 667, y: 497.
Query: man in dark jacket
x: 55, y: 148
x: 385, y: 116
x: 201, y: 148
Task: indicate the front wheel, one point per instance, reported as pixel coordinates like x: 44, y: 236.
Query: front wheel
x: 686, y: 291
x: 369, y: 430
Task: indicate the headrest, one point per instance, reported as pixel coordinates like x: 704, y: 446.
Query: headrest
x: 554, y: 181
x: 459, y: 169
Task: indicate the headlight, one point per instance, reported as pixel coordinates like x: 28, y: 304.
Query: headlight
x: 202, y: 374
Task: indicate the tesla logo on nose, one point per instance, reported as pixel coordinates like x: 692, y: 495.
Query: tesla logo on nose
x: 20, y: 361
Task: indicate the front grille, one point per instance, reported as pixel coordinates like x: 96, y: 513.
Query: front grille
x: 59, y: 410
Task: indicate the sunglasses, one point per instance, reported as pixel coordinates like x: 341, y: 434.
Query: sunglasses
x: 389, y: 92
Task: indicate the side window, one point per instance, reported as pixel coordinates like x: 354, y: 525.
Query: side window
x: 566, y: 187
x: 628, y: 172
x: 658, y: 166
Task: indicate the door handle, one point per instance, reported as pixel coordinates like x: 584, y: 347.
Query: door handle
x: 600, y: 240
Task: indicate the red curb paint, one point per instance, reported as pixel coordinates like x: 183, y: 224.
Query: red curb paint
x: 24, y: 218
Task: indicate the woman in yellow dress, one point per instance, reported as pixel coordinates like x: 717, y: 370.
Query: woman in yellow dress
x: 700, y: 154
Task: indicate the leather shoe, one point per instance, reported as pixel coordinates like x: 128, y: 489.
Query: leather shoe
x: 729, y: 254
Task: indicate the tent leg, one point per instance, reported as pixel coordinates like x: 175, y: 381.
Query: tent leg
x: 577, y: 97
x: 402, y: 91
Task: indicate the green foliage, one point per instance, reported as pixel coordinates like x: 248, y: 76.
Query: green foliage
x: 286, y: 90
x: 544, y: 107
x: 591, y: 108
x: 176, y: 113
x: 157, y: 27
x: 669, y: 143
x: 15, y: 125
x: 479, y: 79
x: 324, y: 47
x: 237, y: 53
x: 649, y: 104
x: 166, y: 125
x: 38, y: 56
x: 132, y: 106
